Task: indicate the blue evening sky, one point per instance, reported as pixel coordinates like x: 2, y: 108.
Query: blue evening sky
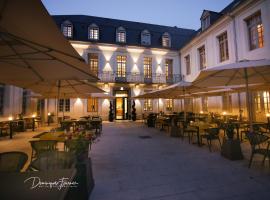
x: 181, y: 13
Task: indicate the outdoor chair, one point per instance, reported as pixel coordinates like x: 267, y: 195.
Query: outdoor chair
x: 189, y: 131
x: 257, y: 142
x: 12, y: 161
x: 41, y: 146
x: 4, y: 128
x: 211, y: 134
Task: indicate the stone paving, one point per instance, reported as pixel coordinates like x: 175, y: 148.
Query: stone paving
x: 126, y: 167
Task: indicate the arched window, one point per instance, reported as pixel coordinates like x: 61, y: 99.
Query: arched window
x: 67, y: 29
x: 166, y: 40
x: 145, y: 37
x: 121, y: 35
x: 93, y: 31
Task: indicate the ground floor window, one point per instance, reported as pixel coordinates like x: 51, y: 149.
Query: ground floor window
x: 205, y: 104
x: 266, y: 101
x: 148, y: 105
x: 64, y: 105
x: 258, y: 102
x: 2, y: 92
x: 227, y: 103
x: 92, y: 105
x: 169, y: 104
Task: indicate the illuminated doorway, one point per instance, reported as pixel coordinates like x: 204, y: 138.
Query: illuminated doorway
x: 121, y: 104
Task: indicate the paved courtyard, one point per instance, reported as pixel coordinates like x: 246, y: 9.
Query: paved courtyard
x: 127, y: 167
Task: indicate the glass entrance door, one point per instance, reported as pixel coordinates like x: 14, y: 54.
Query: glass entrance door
x: 121, y: 105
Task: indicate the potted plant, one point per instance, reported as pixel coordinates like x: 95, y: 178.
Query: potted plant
x: 231, y: 147
x: 133, y: 113
x: 111, y: 112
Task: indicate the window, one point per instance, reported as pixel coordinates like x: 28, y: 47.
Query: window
x: 64, y: 105
x: 166, y: 40
x: 92, y: 105
x: 205, y: 22
x: 223, y: 47
x: 227, y: 103
x: 93, y: 63
x: 121, y: 35
x: 255, y: 31
x: 67, y: 29
x: 148, y: 105
x: 169, y: 104
x: 121, y: 66
x: 93, y: 32
x: 202, y: 59
x: 2, y: 94
x: 266, y: 101
x: 25, y: 101
x: 147, y: 67
x: 145, y: 38
x: 258, y: 100
x: 187, y: 61
x: 169, y: 69
x: 204, y: 104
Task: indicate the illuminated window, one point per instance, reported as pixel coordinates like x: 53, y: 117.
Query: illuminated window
x: 204, y: 104
x: 166, y: 40
x: 148, y: 105
x: 93, y: 32
x: 202, y: 59
x: 258, y: 104
x: 223, y: 47
x: 93, y: 63
x: 92, y: 105
x: 145, y: 37
x: 147, y: 67
x: 121, y: 35
x: 227, y: 103
x: 2, y: 93
x: 67, y: 29
x: 64, y: 104
x: 255, y: 31
x: 169, y: 104
x: 266, y: 101
x: 121, y: 66
x: 169, y: 69
x: 187, y: 61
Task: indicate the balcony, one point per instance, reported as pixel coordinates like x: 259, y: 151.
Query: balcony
x: 134, y: 77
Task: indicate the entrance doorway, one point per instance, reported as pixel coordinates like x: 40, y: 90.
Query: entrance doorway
x: 121, y: 104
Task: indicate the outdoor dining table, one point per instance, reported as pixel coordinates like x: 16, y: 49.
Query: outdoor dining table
x: 200, y: 127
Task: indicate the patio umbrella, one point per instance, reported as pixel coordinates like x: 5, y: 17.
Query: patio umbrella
x: 244, y: 72
x: 61, y: 89
x: 33, y: 48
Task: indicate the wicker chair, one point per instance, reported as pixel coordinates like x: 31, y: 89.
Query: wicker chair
x: 41, y: 146
x: 256, y: 141
x: 12, y: 161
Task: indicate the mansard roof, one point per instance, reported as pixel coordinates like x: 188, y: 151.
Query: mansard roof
x: 107, y: 28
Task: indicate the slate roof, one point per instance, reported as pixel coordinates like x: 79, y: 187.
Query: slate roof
x: 107, y: 29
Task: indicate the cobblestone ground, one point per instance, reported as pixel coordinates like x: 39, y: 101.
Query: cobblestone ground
x: 127, y: 167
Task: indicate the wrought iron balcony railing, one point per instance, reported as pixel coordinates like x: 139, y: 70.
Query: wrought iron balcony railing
x: 133, y: 77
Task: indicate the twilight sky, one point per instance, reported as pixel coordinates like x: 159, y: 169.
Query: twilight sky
x: 181, y: 13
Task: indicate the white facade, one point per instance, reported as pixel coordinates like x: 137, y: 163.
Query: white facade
x: 238, y: 44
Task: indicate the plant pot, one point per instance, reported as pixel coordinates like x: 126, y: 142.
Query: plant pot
x: 231, y: 149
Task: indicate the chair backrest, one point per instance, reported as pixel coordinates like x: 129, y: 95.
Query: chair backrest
x: 12, y: 161
x: 213, y: 131
x: 41, y: 146
x: 256, y: 138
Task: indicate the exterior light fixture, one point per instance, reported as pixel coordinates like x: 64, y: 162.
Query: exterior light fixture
x: 34, y: 115
x: 267, y: 114
x: 121, y: 88
x: 49, y: 114
x: 224, y: 113
x: 201, y: 112
x: 10, y: 118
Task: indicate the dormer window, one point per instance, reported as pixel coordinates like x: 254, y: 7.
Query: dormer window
x: 205, y: 22
x: 145, y: 37
x: 121, y: 35
x: 67, y: 29
x: 166, y: 40
x: 93, y: 32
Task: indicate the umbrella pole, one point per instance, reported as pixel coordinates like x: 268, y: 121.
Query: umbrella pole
x: 64, y: 107
x: 185, y: 114
x: 58, y: 96
x: 240, y: 106
x: 248, y: 101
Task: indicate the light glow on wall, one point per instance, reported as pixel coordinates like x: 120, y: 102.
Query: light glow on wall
x: 159, y: 70
x: 106, y: 103
x: 107, y: 48
x: 78, y: 101
x: 135, y: 69
x: 134, y: 50
x: 136, y: 91
x: 159, y: 52
x: 107, y: 68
